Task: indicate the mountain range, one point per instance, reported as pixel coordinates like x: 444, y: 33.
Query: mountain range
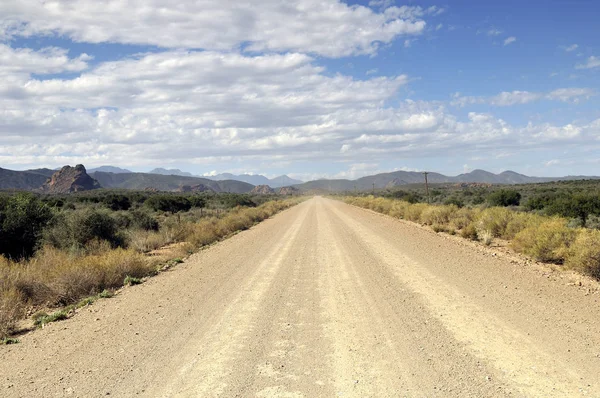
x: 399, y: 178
x: 254, y: 179
x: 165, y: 180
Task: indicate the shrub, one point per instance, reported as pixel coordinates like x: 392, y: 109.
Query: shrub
x: 455, y: 201
x: 117, y: 202
x: 504, y: 198
x: 520, y: 221
x: 549, y: 241
x: 234, y: 200
x: 198, y: 201
x: 11, y: 309
x: 469, y: 232
x: 579, y: 206
x: 22, y: 219
x: 143, y: 220
x: 413, y: 212
x: 438, y: 215
x: 78, y: 229
x: 495, y: 220
x: 399, y: 209
x: 584, y: 255
x: 169, y: 203
x: 461, y: 218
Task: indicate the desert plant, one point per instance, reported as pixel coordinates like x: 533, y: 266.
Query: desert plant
x: 584, y: 255
x: 504, y: 198
x: 22, y: 219
x: 549, y: 241
x: 494, y: 220
x: 75, y: 230
x: 11, y: 309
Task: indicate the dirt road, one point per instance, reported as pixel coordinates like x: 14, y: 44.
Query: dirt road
x: 324, y: 300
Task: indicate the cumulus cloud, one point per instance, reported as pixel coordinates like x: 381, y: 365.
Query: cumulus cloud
x: 509, y: 40
x: 330, y: 27
x: 24, y: 61
x: 511, y: 98
x: 592, y: 62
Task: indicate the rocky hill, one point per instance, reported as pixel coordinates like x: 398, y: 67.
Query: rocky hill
x: 262, y: 190
x: 70, y: 179
x: 288, y: 191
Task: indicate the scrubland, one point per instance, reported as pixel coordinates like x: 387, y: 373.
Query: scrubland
x: 550, y: 239
x: 59, y: 258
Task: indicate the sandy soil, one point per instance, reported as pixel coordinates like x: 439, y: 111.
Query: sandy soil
x: 324, y: 300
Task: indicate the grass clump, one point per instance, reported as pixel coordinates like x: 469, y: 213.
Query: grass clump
x: 11, y: 309
x: 9, y: 341
x: 42, y: 318
x: 131, y: 280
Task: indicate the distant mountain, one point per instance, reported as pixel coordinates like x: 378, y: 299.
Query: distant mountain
x: 257, y: 179
x: 249, y: 178
x: 170, y: 172
x: 141, y: 181
x: 22, y: 180
x: 110, y: 169
x: 283, y: 181
x: 399, y: 178
x: 45, y: 172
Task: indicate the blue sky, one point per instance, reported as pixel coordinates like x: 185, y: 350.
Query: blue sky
x: 307, y: 88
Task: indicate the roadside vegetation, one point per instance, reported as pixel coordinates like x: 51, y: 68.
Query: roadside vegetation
x: 553, y: 226
x: 64, y: 252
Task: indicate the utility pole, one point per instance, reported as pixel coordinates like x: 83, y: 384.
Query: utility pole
x: 426, y: 186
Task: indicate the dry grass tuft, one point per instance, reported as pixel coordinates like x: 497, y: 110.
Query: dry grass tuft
x: 548, y: 241
x: 585, y: 253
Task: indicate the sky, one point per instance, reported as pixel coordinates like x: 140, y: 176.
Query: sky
x: 308, y: 88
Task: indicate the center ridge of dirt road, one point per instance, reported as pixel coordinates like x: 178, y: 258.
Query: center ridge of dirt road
x: 323, y: 300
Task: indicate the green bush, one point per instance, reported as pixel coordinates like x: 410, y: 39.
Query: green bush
x: 504, y: 198
x: 579, y: 206
x: 22, y: 219
x: 143, y: 220
x: 117, y: 202
x: 78, y: 229
x: 454, y: 201
x: 170, y: 203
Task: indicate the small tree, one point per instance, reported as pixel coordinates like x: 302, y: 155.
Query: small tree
x: 504, y: 198
x: 22, y: 220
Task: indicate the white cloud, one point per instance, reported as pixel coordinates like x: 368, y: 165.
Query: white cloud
x: 494, y: 32
x: 571, y: 94
x: 570, y: 48
x: 381, y: 3
x: 514, y: 98
x: 329, y: 27
x: 372, y: 71
x: 24, y: 61
x: 509, y: 40
x: 524, y: 97
x: 439, y: 26
x: 592, y: 62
